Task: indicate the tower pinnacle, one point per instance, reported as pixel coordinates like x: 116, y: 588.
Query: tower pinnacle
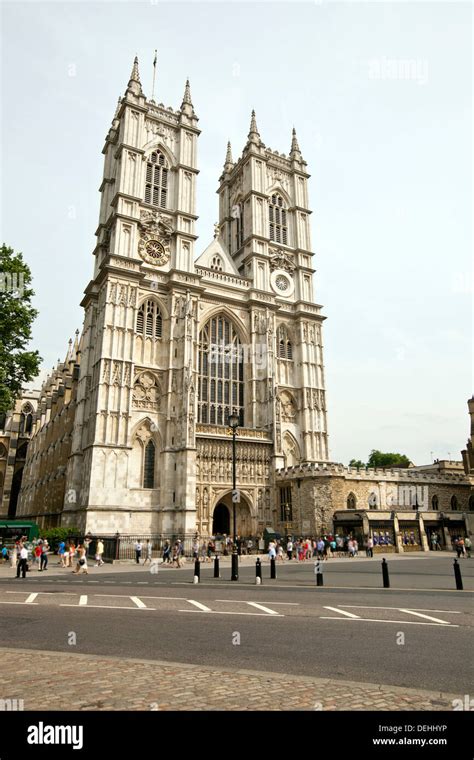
x: 295, y: 152
x: 134, y: 84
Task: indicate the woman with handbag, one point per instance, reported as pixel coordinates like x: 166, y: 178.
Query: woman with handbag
x: 81, y: 561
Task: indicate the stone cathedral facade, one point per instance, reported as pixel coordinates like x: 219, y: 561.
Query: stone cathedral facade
x: 174, y: 341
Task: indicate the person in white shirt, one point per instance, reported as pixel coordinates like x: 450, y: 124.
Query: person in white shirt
x: 138, y: 551
x: 22, y: 562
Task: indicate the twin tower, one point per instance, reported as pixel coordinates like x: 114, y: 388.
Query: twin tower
x: 172, y: 344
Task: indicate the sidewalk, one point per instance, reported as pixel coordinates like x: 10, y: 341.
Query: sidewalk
x: 43, y: 680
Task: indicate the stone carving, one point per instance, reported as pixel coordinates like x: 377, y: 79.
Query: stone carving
x: 281, y: 260
x: 146, y: 392
x: 288, y: 407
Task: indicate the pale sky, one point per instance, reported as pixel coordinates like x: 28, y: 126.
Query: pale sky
x: 381, y: 98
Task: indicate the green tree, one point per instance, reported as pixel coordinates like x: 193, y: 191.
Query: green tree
x: 17, y: 366
x: 385, y: 459
x: 357, y: 463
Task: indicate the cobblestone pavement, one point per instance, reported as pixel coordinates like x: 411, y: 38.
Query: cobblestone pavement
x: 68, y: 681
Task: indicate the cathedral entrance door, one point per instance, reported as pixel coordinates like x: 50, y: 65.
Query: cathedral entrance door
x: 221, y: 520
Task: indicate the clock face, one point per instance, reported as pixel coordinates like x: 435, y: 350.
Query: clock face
x: 282, y: 283
x: 153, y: 251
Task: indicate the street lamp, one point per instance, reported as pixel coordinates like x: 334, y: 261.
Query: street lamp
x: 233, y: 422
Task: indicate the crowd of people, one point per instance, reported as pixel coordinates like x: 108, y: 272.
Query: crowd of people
x: 69, y: 555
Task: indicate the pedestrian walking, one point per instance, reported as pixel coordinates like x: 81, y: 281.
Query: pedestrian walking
x: 44, y: 555
x: 177, y: 553
x: 370, y: 546
x: 99, y: 550
x: 271, y: 550
x: 138, y: 551
x: 468, y: 546
x: 166, y: 553
x: 61, y: 553
x: 289, y: 548
x: 81, y: 566
x: 22, y: 563
x: 149, y: 551
x: 72, y: 553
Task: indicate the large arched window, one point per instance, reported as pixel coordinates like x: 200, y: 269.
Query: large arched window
x: 149, y: 465
x: 156, y: 188
x: 284, y: 347
x: 149, y: 319
x: 221, y: 373
x: 277, y: 220
x: 454, y: 503
x: 26, y: 419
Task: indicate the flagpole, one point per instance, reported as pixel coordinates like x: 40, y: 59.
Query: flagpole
x: 154, y: 74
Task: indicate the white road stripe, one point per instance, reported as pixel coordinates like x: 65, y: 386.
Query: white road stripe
x: 202, y: 607
x: 31, y: 599
x: 224, y: 612
x: 236, y: 601
x: 341, y: 612
x: 428, y: 617
x: 138, y: 602
x: 261, y: 607
x: 83, y: 600
x: 418, y: 609
x: 399, y: 622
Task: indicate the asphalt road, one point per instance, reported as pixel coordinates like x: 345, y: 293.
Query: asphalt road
x: 417, y: 639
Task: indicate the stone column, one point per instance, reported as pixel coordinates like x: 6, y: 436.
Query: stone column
x: 398, y: 538
x: 423, y: 537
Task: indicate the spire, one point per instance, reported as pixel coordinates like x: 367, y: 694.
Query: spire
x: 254, y: 135
x: 294, y: 142
x: 187, y: 94
x: 135, y: 75
x: 187, y: 104
x: 117, y: 109
x: 134, y: 84
x: 228, y: 164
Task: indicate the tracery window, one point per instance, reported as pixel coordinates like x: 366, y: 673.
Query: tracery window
x: 149, y: 319
x: 284, y: 347
x: 278, y: 220
x: 156, y: 187
x: 26, y: 419
x: 149, y: 465
x: 221, y: 373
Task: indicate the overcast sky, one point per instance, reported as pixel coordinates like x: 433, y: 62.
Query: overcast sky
x: 380, y: 95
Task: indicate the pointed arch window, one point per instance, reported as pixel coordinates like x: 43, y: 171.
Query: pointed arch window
x: 156, y: 187
x: 149, y: 320
x: 149, y: 465
x: 221, y: 373
x: 26, y: 419
x: 351, y: 501
x: 277, y: 217
x: 284, y: 347
x: 454, y: 503
x: 434, y: 503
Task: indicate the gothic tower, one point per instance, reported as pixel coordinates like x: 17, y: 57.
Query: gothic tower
x: 264, y: 222
x: 131, y: 436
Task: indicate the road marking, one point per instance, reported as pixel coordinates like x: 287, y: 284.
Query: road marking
x: 234, y: 601
x: 253, y: 614
x: 202, y: 607
x: 83, y: 600
x: 342, y: 612
x: 400, y: 622
x: 427, y: 617
x: 261, y: 607
x: 418, y: 609
x: 138, y: 602
x: 31, y: 599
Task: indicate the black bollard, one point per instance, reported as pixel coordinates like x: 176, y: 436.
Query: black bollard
x: 197, y: 571
x: 457, y: 575
x: 216, y: 567
x: 258, y: 571
x: 386, y: 579
x: 273, y: 570
x: 318, y: 573
x: 235, y: 566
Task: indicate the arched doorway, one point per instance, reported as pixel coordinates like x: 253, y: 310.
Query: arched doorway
x: 221, y: 520
x: 224, y: 510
